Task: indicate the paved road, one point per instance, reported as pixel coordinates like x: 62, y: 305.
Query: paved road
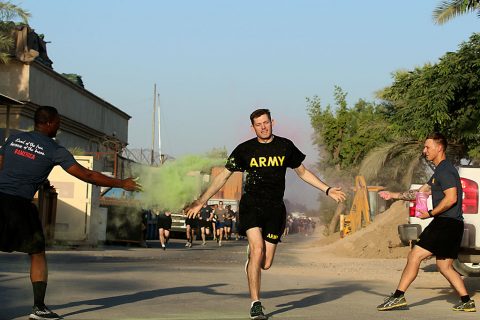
x: 209, y: 283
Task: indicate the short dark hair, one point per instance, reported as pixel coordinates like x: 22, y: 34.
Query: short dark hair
x: 45, y: 114
x: 258, y: 113
x: 438, y: 138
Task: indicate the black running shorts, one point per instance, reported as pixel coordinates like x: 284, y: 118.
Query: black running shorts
x: 267, y: 215
x: 164, y: 222
x: 205, y: 224
x: 442, y: 237
x: 192, y: 222
x: 20, y: 226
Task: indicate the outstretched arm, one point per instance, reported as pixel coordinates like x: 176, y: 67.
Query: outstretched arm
x: 333, y: 192
x: 100, y: 179
x: 216, y: 184
x: 405, y: 195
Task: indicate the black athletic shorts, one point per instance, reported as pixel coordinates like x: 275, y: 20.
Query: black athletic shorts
x: 205, y: 223
x: 192, y: 222
x: 442, y: 237
x: 265, y: 214
x: 164, y: 222
x: 20, y: 226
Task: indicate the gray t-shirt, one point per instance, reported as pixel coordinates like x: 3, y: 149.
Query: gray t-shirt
x: 445, y: 177
x: 28, y: 159
x: 220, y: 214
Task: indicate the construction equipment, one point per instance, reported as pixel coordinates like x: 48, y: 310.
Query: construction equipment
x: 359, y: 214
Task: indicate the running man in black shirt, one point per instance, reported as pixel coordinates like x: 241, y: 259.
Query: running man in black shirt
x: 265, y: 158
x: 26, y: 160
x: 443, y: 236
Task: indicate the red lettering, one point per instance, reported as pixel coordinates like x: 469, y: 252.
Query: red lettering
x: 25, y: 154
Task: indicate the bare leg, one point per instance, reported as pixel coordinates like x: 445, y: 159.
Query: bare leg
x: 445, y: 266
x: 202, y: 229
x: 38, y: 267
x: 162, y: 236
x: 410, y: 272
x: 256, y: 259
x: 270, y: 249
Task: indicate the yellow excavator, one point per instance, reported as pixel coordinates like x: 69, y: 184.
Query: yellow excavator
x: 359, y: 214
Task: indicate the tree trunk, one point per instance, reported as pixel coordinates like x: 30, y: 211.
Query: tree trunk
x: 334, y: 222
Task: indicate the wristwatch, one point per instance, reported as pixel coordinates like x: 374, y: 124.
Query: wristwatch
x: 430, y: 213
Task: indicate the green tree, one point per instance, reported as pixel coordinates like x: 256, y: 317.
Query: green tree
x: 345, y: 134
x: 9, y: 12
x: 448, y: 10
x: 440, y: 97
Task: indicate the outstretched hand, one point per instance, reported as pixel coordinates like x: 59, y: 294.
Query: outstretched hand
x: 387, y: 195
x: 337, y: 194
x: 131, y: 184
x: 193, y: 209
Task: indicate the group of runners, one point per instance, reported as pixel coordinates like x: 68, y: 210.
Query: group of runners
x: 214, y: 221
x: 26, y: 160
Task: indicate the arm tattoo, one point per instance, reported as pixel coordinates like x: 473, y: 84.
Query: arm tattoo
x: 407, y: 195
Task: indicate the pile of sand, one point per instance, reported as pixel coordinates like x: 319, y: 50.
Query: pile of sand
x: 377, y: 240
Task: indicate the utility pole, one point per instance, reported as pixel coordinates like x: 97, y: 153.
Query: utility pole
x: 159, y: 132
x: 152, y: 158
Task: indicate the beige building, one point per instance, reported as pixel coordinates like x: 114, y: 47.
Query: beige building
x: 88, y: 122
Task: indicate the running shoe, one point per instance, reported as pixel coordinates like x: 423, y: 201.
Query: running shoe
x: 219, y: 243
x: 393, y: 303
x: 256, y: 311
x: 248, y: 259
x: 468, y: 306
x: 43, y: 313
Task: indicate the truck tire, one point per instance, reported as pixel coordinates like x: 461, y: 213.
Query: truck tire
x: 467, y: 269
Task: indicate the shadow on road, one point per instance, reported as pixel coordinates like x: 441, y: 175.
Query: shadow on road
x: 109, y: 302
x: 319, y: 295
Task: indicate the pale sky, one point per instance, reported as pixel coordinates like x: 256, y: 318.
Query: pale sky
x: 215, y: 61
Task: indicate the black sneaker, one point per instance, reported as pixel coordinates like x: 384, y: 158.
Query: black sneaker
x: 43, y: 313
x: 256, y: 311
x: 468, y: 306
x: 393, y: 303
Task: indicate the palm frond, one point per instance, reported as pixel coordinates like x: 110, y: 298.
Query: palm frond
x: 397, y: 160
x: 10, y: 11
x: 448, y: 10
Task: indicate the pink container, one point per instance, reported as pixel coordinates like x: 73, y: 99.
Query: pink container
x: 421, y: 203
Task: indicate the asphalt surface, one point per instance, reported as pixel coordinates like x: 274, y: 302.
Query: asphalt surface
x: 119, y: 282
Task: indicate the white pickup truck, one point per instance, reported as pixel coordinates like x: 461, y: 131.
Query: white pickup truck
x: 468, y: 262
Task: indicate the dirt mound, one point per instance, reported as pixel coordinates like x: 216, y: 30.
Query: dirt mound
x: 377, y: 240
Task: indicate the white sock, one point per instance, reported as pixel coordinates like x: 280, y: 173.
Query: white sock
x: 254, y: 302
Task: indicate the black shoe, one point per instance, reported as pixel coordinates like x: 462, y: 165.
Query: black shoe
x: 393, y: 303
x: 256, y: 311
x: 43, y: 313
x: 468, y: 306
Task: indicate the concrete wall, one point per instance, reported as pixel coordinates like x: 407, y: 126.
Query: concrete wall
x: 86, y: 118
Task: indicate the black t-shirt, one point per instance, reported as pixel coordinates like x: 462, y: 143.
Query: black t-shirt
x: 445, y: 177
x: 28, y: 159
x: 205, y: 213
x: 266, y: 165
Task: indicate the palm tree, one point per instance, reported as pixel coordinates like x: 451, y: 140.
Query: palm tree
x: 8, y: 13
x: 448, y: 10
x: 394, y: 164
